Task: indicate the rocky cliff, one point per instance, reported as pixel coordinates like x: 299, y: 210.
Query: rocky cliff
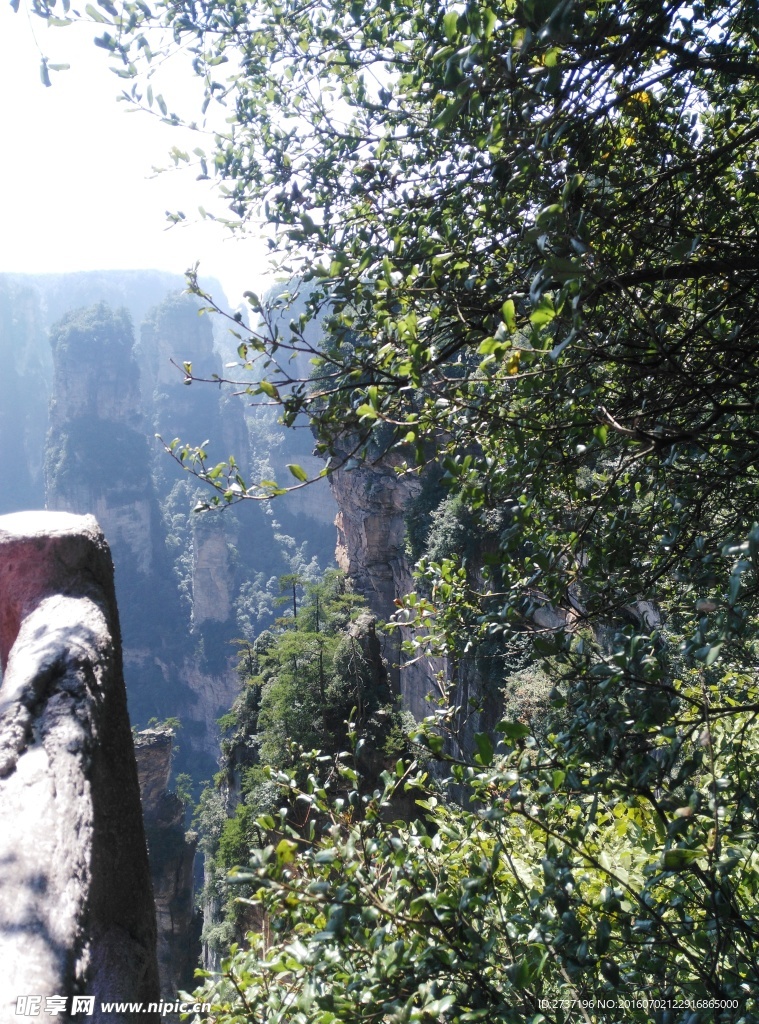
x: 97, y: 454
x: 76, y: 911
x: 99, y: 461
x: 386, y: 523
x: 187, y: 586
x: 24, y: 389
x: 171, y: 853
x: 373, y: 500
x: 29, y: 305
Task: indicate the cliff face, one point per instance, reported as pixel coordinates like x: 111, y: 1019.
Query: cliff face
x: 385, y: 524
x: 188, y: 585
x: 76, y: 913
x: 373, y: 501
x: 173, y: 333
x: 95, y: 372
x: 98, y: 458
x: 213, y: 579
x: 371, y: 531
x: 29, y: 304
x: 24, y: 388
x: 171, y: 853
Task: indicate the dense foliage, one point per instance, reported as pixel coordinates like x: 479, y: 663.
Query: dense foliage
x: 543, y: 905
x: 303, y: 682
x: 532, y: 227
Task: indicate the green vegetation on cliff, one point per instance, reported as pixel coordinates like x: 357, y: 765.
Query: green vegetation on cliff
x: 97, y: 333
x: 77, y: 453
x: 304, y: 682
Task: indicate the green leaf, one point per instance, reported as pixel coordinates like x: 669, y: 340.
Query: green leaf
x: 308, y: 224
x: 610, y: 971
x: 450, y: 112
x: 513, y: 730
x: 491, y: 346
x: 484, y: 755
x: 297, y: 471
x: 519, y: 974
x: 450, y: 23
x: 267, y: 388
x: 680, y: 859
x: 543, y: 313
x: 603, y: 935
x: 285, y: 851
x: 708, y: 654
x: 94, y: 14
x: 326, y: 856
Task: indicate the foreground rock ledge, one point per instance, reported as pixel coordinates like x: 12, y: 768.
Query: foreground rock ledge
x: 76, y: 907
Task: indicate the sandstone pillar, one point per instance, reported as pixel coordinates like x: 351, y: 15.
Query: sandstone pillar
x: 76, y: 907
x: 171, y: 852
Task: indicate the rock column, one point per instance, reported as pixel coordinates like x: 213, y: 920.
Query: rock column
x: 171, y: 851
x: 76, y: 906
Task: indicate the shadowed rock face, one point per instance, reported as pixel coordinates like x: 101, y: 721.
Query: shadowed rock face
x: 76, y: 909
x: 171, y: 852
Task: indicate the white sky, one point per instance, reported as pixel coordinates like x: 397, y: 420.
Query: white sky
x: 76, y: 184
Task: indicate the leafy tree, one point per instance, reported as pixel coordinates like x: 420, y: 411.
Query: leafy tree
x: 531, y: 227
x: 305, y: 680
x: 507, y: 913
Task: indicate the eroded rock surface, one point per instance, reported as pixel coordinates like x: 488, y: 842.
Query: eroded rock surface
x: 371, y: 549
x: 171, y: 853
x: 374, y: 501
x: 76, y: 908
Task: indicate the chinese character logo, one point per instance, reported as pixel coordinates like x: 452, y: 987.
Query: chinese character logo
x: 28, y: 1006
x: 83, y: 1004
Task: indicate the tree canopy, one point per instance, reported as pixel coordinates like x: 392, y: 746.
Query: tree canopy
x: 530, y: 228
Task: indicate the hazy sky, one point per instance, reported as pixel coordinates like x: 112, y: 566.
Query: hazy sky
x: 76, y: 182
